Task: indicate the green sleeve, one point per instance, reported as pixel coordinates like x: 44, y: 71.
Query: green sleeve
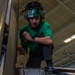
x: 48, y: 31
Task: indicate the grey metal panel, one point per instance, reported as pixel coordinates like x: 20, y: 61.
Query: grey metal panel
x: 12, y: 41
x: 53, y: 71
x: 3, y: 5
x: 31, y: 72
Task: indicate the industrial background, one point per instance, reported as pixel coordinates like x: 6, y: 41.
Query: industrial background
x: 61, y: 15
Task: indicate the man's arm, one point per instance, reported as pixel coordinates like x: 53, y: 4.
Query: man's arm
x: 43, y: 40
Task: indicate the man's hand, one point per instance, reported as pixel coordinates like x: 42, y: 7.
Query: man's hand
x: 27, y: 36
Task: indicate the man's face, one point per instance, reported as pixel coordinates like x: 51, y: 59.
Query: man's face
x: 34, y: 22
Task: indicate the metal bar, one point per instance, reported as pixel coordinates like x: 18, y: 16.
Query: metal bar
x: 2, y: 63
x: 3, y: 6
x: 51, y: 71
x: 12, y: 41
x: 8, y: 12
x: 31, y: 71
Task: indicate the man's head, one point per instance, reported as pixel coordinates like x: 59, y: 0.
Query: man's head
x: 34, y: 13
x: 34, y: 9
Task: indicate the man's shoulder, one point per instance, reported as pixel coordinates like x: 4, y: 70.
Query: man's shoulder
x: 45, y: 23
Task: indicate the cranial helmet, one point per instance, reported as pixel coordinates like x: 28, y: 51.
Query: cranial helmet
x: 34, y: 9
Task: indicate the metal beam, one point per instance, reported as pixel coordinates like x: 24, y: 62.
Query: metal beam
x: 10, y: 62
x: 3, y: 6
x: 2, y: 63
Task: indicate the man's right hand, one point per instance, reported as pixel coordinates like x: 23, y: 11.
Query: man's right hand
x: 27, y: 36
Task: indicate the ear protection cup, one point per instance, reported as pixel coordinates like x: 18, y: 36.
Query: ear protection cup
x: 43, y: 15
x: 25, y: 16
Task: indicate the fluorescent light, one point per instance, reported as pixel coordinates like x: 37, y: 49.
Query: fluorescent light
x: 73, y: 37
x: 67, y: 40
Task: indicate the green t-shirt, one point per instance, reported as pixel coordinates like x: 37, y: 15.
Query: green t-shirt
x: 44, y: 30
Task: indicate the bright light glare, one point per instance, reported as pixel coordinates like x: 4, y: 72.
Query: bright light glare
x: 67, y: 40
x: 73, y: 37
x: 71, y: 73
